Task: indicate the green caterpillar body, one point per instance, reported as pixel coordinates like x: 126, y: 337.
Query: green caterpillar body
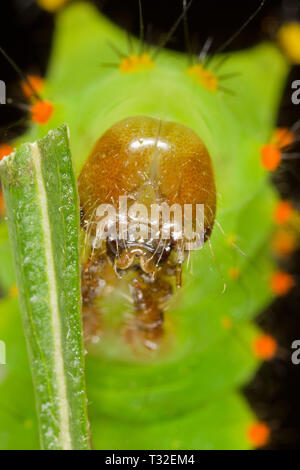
x: 186, y: 396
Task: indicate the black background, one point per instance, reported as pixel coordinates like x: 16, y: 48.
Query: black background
x: 25, y: 34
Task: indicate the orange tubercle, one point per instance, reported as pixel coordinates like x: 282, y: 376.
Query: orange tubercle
x: 136, y: 63
x: 284, y: 243
x: 258, y: 434
x: 13, y: 291
x: 5, y: 149
x: 265, y: 347
x: 36, y: 83
x: 270, y: 157
x: 282, y: 137
x: 281, y: 283
x: 41, y: 111
x: 234, y: 273
x: 226, y: 322
x: 204, y: 77
x: 283, y: 212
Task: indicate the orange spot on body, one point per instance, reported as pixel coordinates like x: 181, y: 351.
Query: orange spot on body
x: 234, y: 273
x: 226, y: 322
x: 41, y: 111
x: 265, y: 347
x: 5, y: 149
x: 282, y: 137
x: 135, y: 63
x: 270, y: 157
x: 283, y: 212
x: 284, y: 243
x: 13, y: 291
x: 203, y: 77
x: 281, y: 283
x: 258, y: 434
x: 36, y: 84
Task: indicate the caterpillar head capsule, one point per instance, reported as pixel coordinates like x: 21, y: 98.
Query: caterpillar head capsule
x: 159, y: 171
x: 140, y: 189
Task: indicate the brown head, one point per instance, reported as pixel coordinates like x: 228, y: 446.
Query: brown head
x: 149, y: 161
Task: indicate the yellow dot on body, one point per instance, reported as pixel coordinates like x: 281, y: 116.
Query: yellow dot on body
x: 13, y: 291
x: 234, y: 273
x: 51, y: 5
x: 231, y: 240
x: 226, y: 322
x: 289, y: 41
x: 203, y: 77
x: 136, y: 63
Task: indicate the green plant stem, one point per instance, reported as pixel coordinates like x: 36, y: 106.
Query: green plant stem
x: 43, y: 217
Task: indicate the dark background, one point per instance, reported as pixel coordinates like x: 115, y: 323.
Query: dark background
x: 25, y: 34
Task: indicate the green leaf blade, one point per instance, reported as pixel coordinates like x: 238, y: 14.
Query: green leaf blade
x: 42, y: 207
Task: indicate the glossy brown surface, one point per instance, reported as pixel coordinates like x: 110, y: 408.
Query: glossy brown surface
x: 150, y: 161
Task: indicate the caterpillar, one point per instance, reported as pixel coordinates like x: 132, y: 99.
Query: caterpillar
x: 154, y: 161
x: 164, y: 364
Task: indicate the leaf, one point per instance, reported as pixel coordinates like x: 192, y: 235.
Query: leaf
x: 43, y: 218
